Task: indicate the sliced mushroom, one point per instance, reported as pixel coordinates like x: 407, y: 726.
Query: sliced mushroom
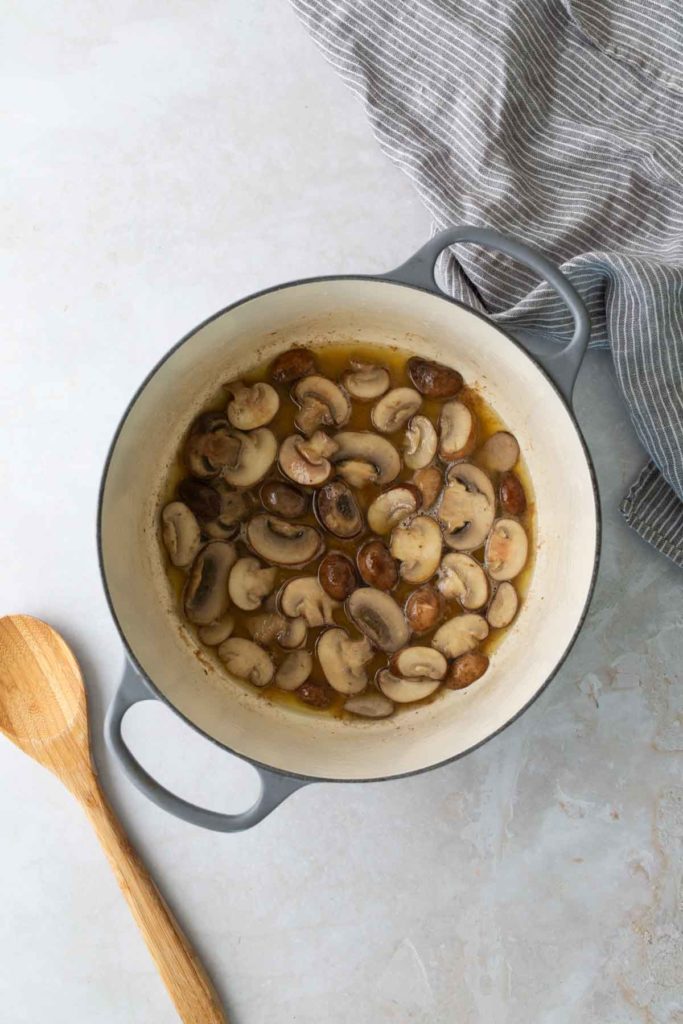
x: 307, y: 461
x: 216, y: 632
x: 462, y: 578
x: 418, y: 663
x: 365, y: 381
x: 511, y: 495
x: 362, y: 458
x: 343, y: 660
x: 205, y: 597
x: 252, y: 405
x: 379, y: 617
x: 467, y: 507
x: 369, y: 705
x: 293, y: 634
x: 405, y: 691
x: 180, y: 533
x: 376, y: 565
x: 283, y: 499
x: 201, y: 498
x: 280, y: 543
x: 429, y: 483
x: 420, y: 443
x: 233, y: 509
x: 417, y: 545
x: 460, y: 634
x: 337, y: 575
x: 337, y: 510
x: 503, y: 607
x: 291, y: 365
x: 294, y: 670
x: 304, y: 598
x: 247, y: 661
x: 392, y: 506
x: 321, y: 402
x: 395, y: 409
x: 265, y: 627
x: 500, y: 452
x: 250, y: 582
x: 424, y: 609
x: 457, y: 431
x: 256, y: 455
x: 466, y: 669
x: 212, y: 445
x: 506, y: 550
x: 434, y: 379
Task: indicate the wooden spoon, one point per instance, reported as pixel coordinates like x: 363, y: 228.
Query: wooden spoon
x: 43, y: 711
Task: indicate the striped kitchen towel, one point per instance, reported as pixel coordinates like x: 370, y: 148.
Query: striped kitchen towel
x: 561, y: 122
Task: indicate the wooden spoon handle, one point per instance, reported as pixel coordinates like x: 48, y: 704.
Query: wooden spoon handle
x: 188, y: 984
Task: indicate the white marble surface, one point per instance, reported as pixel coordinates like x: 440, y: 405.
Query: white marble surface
x: 161, y: 160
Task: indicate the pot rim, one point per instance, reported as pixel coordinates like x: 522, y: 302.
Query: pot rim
x: 149, y: 683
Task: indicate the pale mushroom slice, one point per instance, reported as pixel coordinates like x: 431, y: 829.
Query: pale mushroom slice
x: 420, y: 442
x: 395, y: 409
x: 418, y: 663
x: 343, y: 660
x: 205, y: 597
x: 369, y: 705
x: 366, y: 381
x: 249, y: 583
x: 429, y: 482
x: 293, y: 633
x: 304, y: 598
x: 467, y: 507
x: 294, y: 670
x: 257, y: 454
x: 500, y: 452
x: 247, y: 661
x: 506, y: 551
x: 180, y: 533
x: 252, y: 405
x: 321, y: 403
x: 265, y: 627
x: 306, y: 461
x: 460, y: 634
x: 417, y: 545
x: 281, y: 543
x: 503, y: 606
x: 405, y: 691
x: 393, y: 506
x: 461, y: 577
x: 216, y: 632
x: 364, y: 458
x: 457, y: 431
x: 377, y: 615
x: 211, y: 446
x: 337, y: 510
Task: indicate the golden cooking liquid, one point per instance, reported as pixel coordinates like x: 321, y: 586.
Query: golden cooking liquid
x: 332, y: 361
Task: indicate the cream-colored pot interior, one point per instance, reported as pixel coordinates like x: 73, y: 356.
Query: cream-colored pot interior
x: 333, y: 311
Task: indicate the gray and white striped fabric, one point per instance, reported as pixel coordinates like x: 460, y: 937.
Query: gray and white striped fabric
x: 561, y: 122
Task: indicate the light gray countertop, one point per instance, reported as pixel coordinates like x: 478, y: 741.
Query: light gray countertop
x: 162, y: 160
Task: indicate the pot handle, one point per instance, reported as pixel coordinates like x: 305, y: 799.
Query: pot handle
x: 561, y: 364
x: 274, y: 787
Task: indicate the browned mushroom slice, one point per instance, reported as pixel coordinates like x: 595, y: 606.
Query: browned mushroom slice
x: 395, y: 409
x: 337, y: 510
x: 462, y: 578
x: 405, y: 691
x: 247, y: 661
x: 321, y: 403
x: 252, y: 405
x: 460, y: 634
x: 212, y: 445
x: 378, y: 616
x: 290, y: 366
x: 507, y: 549
x: 343, y: 660
x: 180, y: 533
x: 265, y: 627
x: 393, y: 506
x: 315, y: 695
x: 424, y: 609
x: 233, y: 509
x: 307, y: 462
x: 376, y: 565
x: 418, y: 663
x: 257, y: 454
x: 205, y: 597
x: 200, y: 497
x: 293, y: 633
x: 304, y: 598
x: 467, y: 507
x: 337, y: 575
x: 364, y: 458
x: 369, y: 705
x: 466, y: 669
x: 429, y: 483
x: 503, y: 606
x: 281, y: 543
x: 420, y: 443
x: 283, y: 499
x: 500, y: 452
x: 249, y: 583
x: 434, y: 379
x: 457, y: 431
x: 216, y: 632
x: 365, y: 381
x: 417, y: 545
x: 294, y: 670
x: 511, y: 494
